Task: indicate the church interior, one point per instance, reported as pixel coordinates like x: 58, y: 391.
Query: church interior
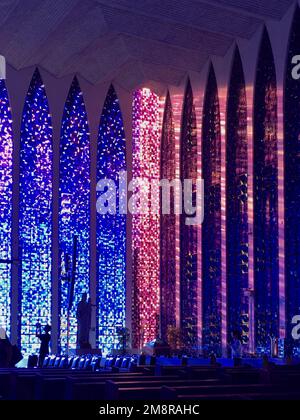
x: 149, y: 199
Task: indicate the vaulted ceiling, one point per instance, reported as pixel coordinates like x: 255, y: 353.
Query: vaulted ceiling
x: 128, y: 41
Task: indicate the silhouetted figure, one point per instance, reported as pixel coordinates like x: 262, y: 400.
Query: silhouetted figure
x: 265, y: 361
x: 84, y: 311
x: 45, y: 341
x: 5, y: 352
x: 288, y: 349
x: 236, y: 349
x: 213, y: 359
x: 10, y: 354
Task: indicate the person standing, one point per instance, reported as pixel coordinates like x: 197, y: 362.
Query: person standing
x: 83, y: 315
x: 45, y: 341
x: 5, y: 350
x: 236, y: 349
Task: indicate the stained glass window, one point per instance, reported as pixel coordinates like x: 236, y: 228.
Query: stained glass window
x: 265, y: 197
x: 146, y: 226
x: 6, y: 149
x: 188, y: 233
x: 168, y: 226
x: 292, y: 180
x: 35, y: 214
x: 111, y: 228
x: 237, y: 201
x: 74, y: 210
x: 211, y: 227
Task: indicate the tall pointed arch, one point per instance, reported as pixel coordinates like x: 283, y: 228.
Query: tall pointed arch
x: 265, y: 180
x: 168, y: 226
x: 211, y: 227
x: 35, y: 213
x: 188, y: 233
x: 111, y: 228
x: 74, y: 208
x: 6, y: 151
x: 237, y: 200
x: 145, y: 222
x: 292, y: 178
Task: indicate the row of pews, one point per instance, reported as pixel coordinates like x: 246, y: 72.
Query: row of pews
x: 151, y: 382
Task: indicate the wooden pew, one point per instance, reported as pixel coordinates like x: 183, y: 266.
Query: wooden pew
x: 252, y: 397
x: 96, y: 388
x: 172, y: 392
x: 121, y: 390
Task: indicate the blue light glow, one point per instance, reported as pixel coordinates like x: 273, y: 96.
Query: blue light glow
x: 292, y: 182
x: 265, y: 232
x: 6, y: 148
x: 237, y: 202
x: 35, y: 213
x: 74, y: 212
x: 111, y: 229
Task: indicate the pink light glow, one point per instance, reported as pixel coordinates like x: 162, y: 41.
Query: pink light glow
x: 250, y: 99
x: 145, y: 227
x: 223, y: 104
x: 281, y: 218
x: 177, y: 104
